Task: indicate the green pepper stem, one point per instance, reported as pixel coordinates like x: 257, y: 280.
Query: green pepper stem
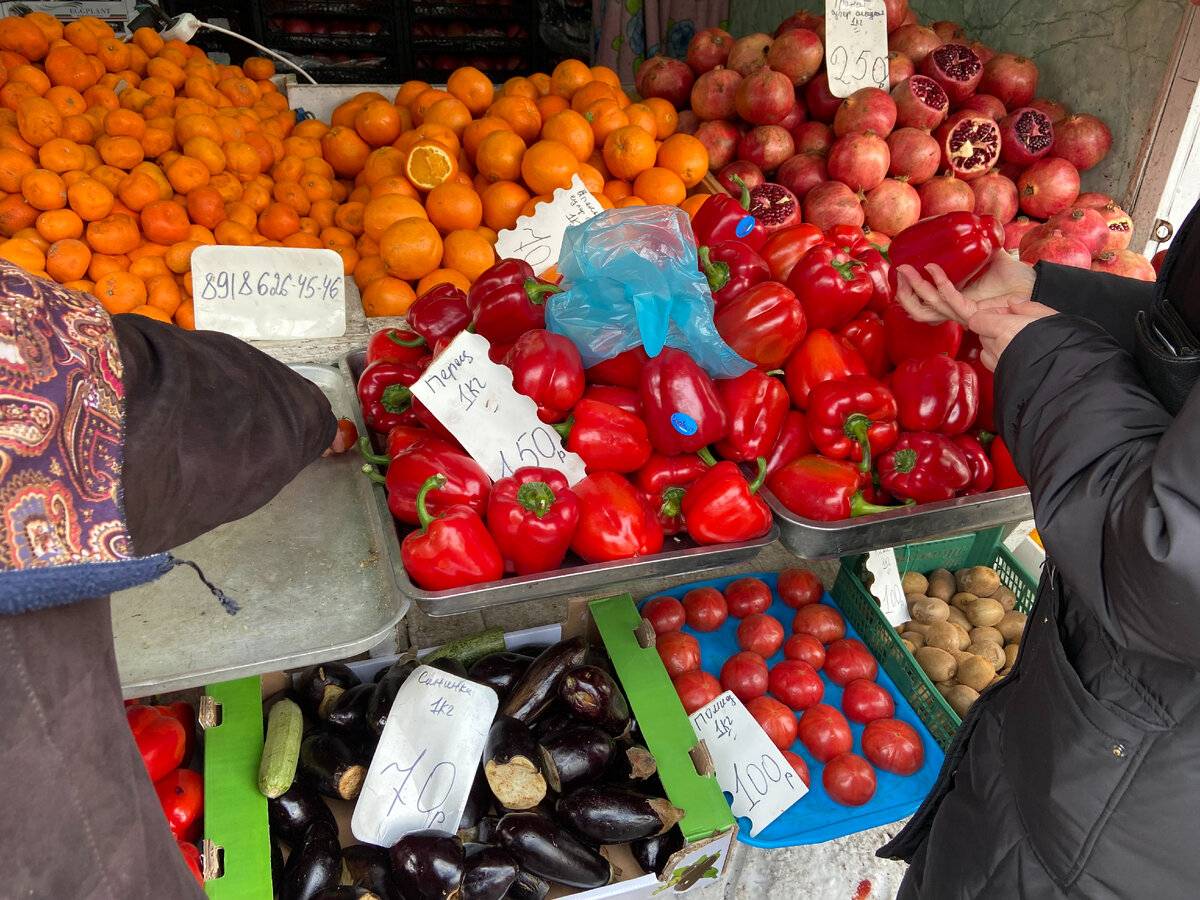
x: 845, y: 269
x: 370, y: 472
x: 393, y: 336
x: 535, y: 289
x: 745, y: 198
x: 859, y: 506
x: 705, y: 454
x: 432, y: 483
x: 760, y: 476
x: 564, y: 428
x: 717, y: 273
x: 396, y: 398
x: 905, y: 460
x: 672, y: 501
x: 857, y: 427
x: 364, y: 448
x: 537, y: 497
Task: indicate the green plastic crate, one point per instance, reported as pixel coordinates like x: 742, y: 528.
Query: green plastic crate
x: 983, y: 548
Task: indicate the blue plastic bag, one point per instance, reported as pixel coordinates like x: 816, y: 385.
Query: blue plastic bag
x: 630, y: 276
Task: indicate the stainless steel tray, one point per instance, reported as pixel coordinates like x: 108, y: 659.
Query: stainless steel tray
x: 312, y: 571
x: 681, y: 555
x: 810, y: 539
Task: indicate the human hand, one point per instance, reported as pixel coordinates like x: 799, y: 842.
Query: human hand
x: 932, y: 303
x: 997, y: 324
x: 1005, y: 277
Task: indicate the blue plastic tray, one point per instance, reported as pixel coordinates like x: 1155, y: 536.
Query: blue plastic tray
x: 815, y: 818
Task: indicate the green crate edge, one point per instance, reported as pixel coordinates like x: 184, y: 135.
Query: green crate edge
x: 861, y: 610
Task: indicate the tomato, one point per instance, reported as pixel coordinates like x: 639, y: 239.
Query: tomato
x: 825, y: 732
x: 705, y: 608
x: 796, y: 683
x: 345, y: 438
x: 679, y: 652
x: 849, y: 659
x: 761, y: 633
x: 893, y: 746
x: 849, y: 780
x: 799, y: 587
x: 864, y: 700
x: 799, y: 766
x: 776, y: 720
x: 746, y: 596
x: 745, y: 674
x: 665, y: 614
x: 181, y: 794
x: 183, y: 712
x: 805, y: 647
x: 191, y: 855
x: 823, y: 622
x: 696, y: 689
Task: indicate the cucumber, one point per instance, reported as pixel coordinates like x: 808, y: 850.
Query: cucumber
x: 281, y: 748
x: 470, y: 648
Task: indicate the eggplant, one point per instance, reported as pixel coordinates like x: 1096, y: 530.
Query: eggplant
x: 593, y: 696
x: 486, y: 828
x: 528, y: 887
x: 555, y: 719
x: 500, y: 671
x: 576, y: 756
x: 479, y: 801
x: 369, y: 867
x: 653, y: 853
x: 546, y: 849
x: 346, y: 892
x: 385, y: 693
x: 537, y: 688
x: 488, y: 872
x: 512, y: 764
x: 276, y: 865
x: 637, y: 766
x: 615, y: 815
x: 319, y: 686
x: 449, y: 665
x: 290, y: 814
x: 348, y: 714
x: 314, y: 864
x: 330, y: 765
x: 428, y: 865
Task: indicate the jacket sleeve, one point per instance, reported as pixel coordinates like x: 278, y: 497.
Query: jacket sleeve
x: 214, y: 428
x: 1108, y: 300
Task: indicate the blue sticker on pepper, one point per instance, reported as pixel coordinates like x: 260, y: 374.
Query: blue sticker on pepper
x: 683, y: 423
x: 745, y: 225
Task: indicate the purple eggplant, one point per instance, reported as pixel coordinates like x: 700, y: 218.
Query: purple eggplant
x: 319, y: 686
x: 348, y: 713
x: 385, y: 693
x: 637, y: 767
x: 528, y: 887
x: 488, y: 872
x: 486, y: 828
x: 479, y: 802
x: 449, y: 665
x: 428, y: 865
x: 369, y: 867
x: 652, y: 853
x: 290, y: 814
x: 346, y: 892
x: 314, y: 864
x: 545, y: 848
x: 538, y: 687
x: 330, y: 765
x: 593, y: 696
x: 500, y: 671
x: 576, y: 756
x: 614, y: 815
x: 512, y: 764
x: 556, y: 718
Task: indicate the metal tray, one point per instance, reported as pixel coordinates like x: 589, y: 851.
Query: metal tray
x: 684, y: 556
x: 312, y: 571
x: 810, y: 539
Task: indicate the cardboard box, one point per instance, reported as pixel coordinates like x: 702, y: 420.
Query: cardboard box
x: 116, y: 13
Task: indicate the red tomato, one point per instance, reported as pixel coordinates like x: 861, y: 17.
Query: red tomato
x: 825, y: 732
x: 182, y: 712
x: 796, y: 683
x: 805, y: 647
x: 696, y: 689
x: 823, y: 622
x: 847, y: 660
x: 893, y: 746
x: 679, y: 652
x: 776, y: 720
x: 799, y: 766
x: 799, y: 587
x: 864, y: 700
x: 181, y: 794
x: 347, y: 435
x: 746, y: 596
x: 705, y: 608
x: 664, y: 614
x: 745, y: 674
x: 849, y: 780
x: 191, y: 855
x: 761, y: 633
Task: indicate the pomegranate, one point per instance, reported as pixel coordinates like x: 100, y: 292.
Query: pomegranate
x: 915, y: 155
x: 764, y: 97
x: 802, y: 173
x: 798, y: 53
x: 956, y: 68
x: 797, y: 114
x: 1086, y: 225
x: 895, y: 12
x: 970, y: 144
x: 920, y: 103
x: 982, y: 50
x: 767, y: 146
x: 802, y: 18
x: 900, y: 66
x: 1054, y: 246
x: 1015, y: 231
x: 708, y: 49
x: 949, y: 32
x: 1120, y: 226
x: 775, y: 206
x: 749, y: 53
x: 1083, y: 140
x: 945, y: 194
x: 714, y: 95
x: 914, y: 41
x: 720, y: 139
x: 750, y: 174
x: 867, y: 109
x: 1011, y: 78
x: 859, y: 159
x: 670, y: 79
x: 1126, y: 263
x: 995, y: 195
x: 832, y: 203
x: 1056, y: 110
x: 1046, y: 186
x: 891, y: 206
x: 1025, y: 135
x: 688, y: 122
x: 1093, y: 198
x: 813, y: 137
x: 1033, y: 234
x: 986, y: 104
x: 822, y: 104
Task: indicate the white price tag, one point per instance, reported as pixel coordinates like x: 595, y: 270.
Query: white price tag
x: 856, y: 48
x: 886, y: 587
x: 269, y: 293
x: 426, y: 758
x: 474, y: 398
x: 537, y: 239
x: 749, y: 766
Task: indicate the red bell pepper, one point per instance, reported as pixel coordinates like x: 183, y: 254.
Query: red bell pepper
x: 784, y: 248
x: 463, y: 482
x: 439, y: 314
x: 878, y: 270
x: 854, y: 418
x: 532, y: 515
x: 401, y: 437
x: 1007, y: 475
x: 821, y: 356
x: 824, y: 489
x: 398, y: 344
x: 906, y: 338
x: 793, y: 441
x: 936, y: 393
x: 623, y: 370
x: 183, y: 712
x: 160, y: 739
x: 508, y: 300
x: 450, y: 550
x: 721, y: 507
x: 924, y: 467
x: 865, y: 334
x: 764, y: 324
x: 831, y: 286
x: 191, y: 855
x: 725, y: 218
x: 683, y: 410
x: 757, y: 404
x: 624, y: 398
x: 731, y: 267
x: 546, y: 367
x: 384, y: 395
x: 615, y: 521
x: 663, y: 480
x: 970, y: 353
x: 961, y: 243
x: 668, y: 509
x: 181, y: 794
x: 983, y: 473
x: 606, y: 437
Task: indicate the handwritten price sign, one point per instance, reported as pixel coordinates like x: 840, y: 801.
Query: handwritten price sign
x: 269, y: 293
x: 887, y: 587
x: 856, y: 50
x: 537, y: 239
x: 474, y: 398
x: 426, y: 759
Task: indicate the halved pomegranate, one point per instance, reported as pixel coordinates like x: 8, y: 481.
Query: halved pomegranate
x: 920, y: 103
x: 775, y: 206
x: 970, y: 144
x: 1025, y: 135
x: 956, y: 67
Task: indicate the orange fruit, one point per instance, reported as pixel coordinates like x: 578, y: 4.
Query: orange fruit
x: 59, y: 224
x: 67, y: 100
x: 351, y: 217
x: 474, y: 133
x: 51, y: 26
x: 386, y: 296
x: 467, y: 252
x: 120, y: 291
x: 443, y: 276
x: 572, y: 129
x: 24, y: 253
x: 68, y: 260
x: 409, y: 91
x: 436, y: 131
x: 138, y: 190
x: 278, y: 220
x: 605, y: 117
x: 380, y: 212
x: 520, y: 86
x: 90, y: 199
x: 657, y: 185
x: 258, y: 67
x: 345, y: 150
x: 642, y: 116
x: 450, y: 112
x: 38, y: 120
x: 472, y: 88
x: 382, y: 163
x: 165, y: 222
x: 68, y: 65
x: 540, y: 82
x: 114, y: 234
x: 692, y: 203
x: 451, y: 206
x: 591, y: 92
x: 666, y: 118
x: 123, y: 152
x: 419, y: 106
x: 684, y: 155
x: 547, y: 166
x: 631, y: 200
x: 569, y: 76
x: 499, y: 155
x: 20, y: 35
x: 591, y: 178
x: 607, y: 75
x: 521, y: 114
x: 502, y: 204
x: 13, y: 166
x: 205, y: 206
x: 429, y: 163
x: 628, y: 151
x: 378, y: 122
x: 44, y: 189
x: 15, y: 214
x: 411, y: 248
x: 550, y: 104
